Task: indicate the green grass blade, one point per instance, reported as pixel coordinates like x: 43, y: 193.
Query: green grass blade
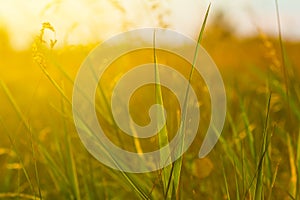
x: 163, y: 133
x: 70, y: 156
x: 135, y: 186
x: 264, y: 149
x: 200, y: 39
x: 55, y: 84
x: 178, y: 163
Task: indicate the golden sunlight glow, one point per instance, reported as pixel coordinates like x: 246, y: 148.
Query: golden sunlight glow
x: 82, y: 22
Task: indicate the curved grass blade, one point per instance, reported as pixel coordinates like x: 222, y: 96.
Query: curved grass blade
x: 178, y: 163
x: 163, y: 133
x: 264, y: 149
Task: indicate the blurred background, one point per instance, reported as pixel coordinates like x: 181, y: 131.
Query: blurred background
x: 82, y: 22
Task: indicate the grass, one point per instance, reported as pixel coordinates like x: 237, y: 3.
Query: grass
x: 257, y: 156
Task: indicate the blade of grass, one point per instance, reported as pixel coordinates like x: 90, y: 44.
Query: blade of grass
x: 70, y: 156
x: 55, y: 84
x: 265, y: 145
x: 178, y: 163
x: 163, y: 133
x: 264, y: 149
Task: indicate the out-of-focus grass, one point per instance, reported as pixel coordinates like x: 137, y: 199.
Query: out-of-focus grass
x: 41, y: 155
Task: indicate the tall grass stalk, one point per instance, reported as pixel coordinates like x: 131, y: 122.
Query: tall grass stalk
x: 177, y: 165
x: 259, y: 193
x: 70, y: 156
x: 163, y: 133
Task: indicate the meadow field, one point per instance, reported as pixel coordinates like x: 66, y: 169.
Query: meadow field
x: 256, y: 157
